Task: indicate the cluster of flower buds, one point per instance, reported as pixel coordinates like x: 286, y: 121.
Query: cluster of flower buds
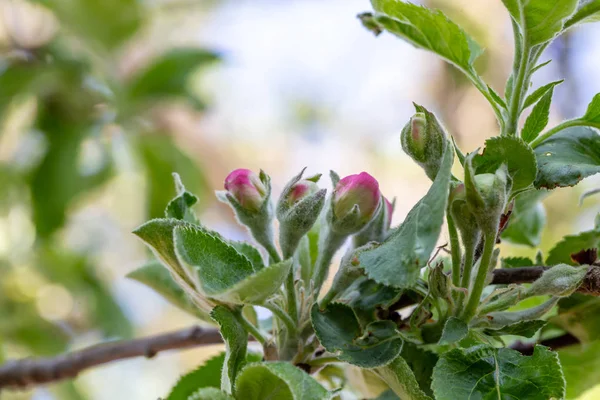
x: 356, y: 207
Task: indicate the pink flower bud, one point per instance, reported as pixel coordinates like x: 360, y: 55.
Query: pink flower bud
x: 246, y: 187
x: 360, y: 190
x: 300, y: 190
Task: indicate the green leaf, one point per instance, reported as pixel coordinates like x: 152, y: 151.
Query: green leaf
x: 572, y: 244
x: 567, y: 157
x: 454, y: 331
x: 207, y: 375
x: 540, y: 20
x: 516, y: 262
x: 224, y: 273
x: 538, y: 119
x: 588, y: 11
x: 580, y: 364
x: 210, y: 394
x: 522, y: 328
x: 401, y: 256
x: 592, y: 114
x: 401, y: 380
x: 105, y: 22
x: 277, y: 381
x: 499, y: 100
x: 168, y: 77
x: 157, y: 277
x: 421, y: 363
x: 181, y: 206
x: 236, y: 343
x: 488, y: 373
x: 512, y: 151
x: 539, y: 92
x: 427, y: 29
x: 339, y: 330
x: 527, y: 220
x: 580, y: 316
x: 365, y: 295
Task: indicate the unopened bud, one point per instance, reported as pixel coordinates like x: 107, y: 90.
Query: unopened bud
x: 246, y: 188
x: 356, y: 200
x: 423, y: 139
x: 561, y: 281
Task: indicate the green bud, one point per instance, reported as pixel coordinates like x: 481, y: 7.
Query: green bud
x: 439, y: 282
x: 561, y: 281
x: 298, y: 208
x: 423, y: 139
x: 486, y: 195
x: 463, y: 218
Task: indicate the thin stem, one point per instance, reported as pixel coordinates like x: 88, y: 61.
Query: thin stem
x: 469, y: 259
x: 282, y: 315
x: 563, y: 125
x: 251, y: 329
x: 516, y: 99
x: 455, y: 249
x: 273, y: 254
x: 479, y: 284
x: 483, y: 89
x: 330, y: 243
x: 317, y: 362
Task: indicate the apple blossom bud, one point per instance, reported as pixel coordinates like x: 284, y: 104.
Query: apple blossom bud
x: 246, y: 187
x: 298, y: 208
x: 356, y: 197
x: 423, y: 139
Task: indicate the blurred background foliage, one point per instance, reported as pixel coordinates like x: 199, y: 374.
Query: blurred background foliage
x: 101, y: 100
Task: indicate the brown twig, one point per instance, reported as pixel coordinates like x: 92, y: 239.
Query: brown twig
x: 28, y: 372
x: 555, y: 343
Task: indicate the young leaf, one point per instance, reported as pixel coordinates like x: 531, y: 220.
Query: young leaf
x: 181, y: 206
x: 224, y: 273
x: 527, y: 219
x: 338, y: 330
x: 522, y: 328
x: 488, y: 373
x: 207, y: 375
x: 421, y: 363
x: 588, y: 11
x: 454, y: 331
x: 512, y: 151
x: 567, y: 157
x: 562, y: 252
x: 540, y: 20
x: 401, y: 256
x: 210, y: 394
x: 157, y: 277
x: 236, y: 343
x: 499, y: 100
x: 539, y: 92
x: 401, y: 380
x: 592, y: 114
x: 277, y: 381
x: 538, y: 119
x: 427, y: 29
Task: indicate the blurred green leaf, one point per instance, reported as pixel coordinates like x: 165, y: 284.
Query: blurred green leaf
x: 587, y: 11
x: 527, y: 220
x: 562, y: 252
x: 580, y: 364
x: 108, y: 23
x: 161, y: 157
x: 580, y: 316
x: 168, y: 77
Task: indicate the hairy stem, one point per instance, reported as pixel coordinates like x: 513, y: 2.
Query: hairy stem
x: 289, y: 323
x: 479, y: 284
x: 563, y: 125
x: 455, y: 249
x: 251, y: 329
x: 516, y: 99
x: 330, y: 242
